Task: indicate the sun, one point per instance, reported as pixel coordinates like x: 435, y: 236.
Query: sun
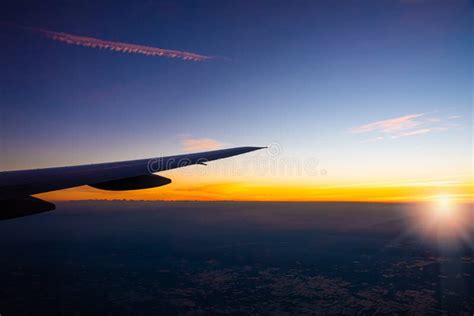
x: 444, y: 205
x: 444, y: 221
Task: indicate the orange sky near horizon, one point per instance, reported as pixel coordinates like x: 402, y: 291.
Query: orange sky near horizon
x: 241, y: 191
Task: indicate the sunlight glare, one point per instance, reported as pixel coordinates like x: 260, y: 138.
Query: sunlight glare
x: 444, y: 221
x: 444, y: 206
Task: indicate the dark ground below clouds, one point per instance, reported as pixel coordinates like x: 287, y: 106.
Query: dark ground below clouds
x: 119, y: 257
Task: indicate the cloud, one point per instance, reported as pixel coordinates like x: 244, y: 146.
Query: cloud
x: 190, y: 144
x: 403, y: 126
x: 117, y: 46
x: 414, y: 132
x: 389, y: 126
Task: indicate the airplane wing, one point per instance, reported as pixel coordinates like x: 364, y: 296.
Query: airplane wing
x: 16, y: 187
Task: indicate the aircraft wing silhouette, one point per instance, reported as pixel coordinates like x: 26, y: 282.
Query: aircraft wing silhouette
x: 16, y: 187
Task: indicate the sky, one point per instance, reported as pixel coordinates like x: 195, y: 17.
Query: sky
x: 357, y: 100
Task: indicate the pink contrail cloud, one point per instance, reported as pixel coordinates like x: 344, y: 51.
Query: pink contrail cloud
x: 117, y: 46
x: 189, y: 143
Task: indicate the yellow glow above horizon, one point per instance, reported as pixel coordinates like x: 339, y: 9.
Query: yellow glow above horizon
x: 207, y: 190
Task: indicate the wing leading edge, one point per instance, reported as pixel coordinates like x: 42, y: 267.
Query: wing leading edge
x: 17, y: 186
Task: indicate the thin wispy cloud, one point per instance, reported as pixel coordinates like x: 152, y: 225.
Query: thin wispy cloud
x: 190, y: 144
x: 121, y: 47
x: 391, y: 125
x: 402, y: 126
x: 414, y: 132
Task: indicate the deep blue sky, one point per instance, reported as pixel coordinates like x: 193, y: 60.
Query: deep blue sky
x: 300, y: 73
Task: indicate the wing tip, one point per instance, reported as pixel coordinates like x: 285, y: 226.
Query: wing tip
x: 251, y: 148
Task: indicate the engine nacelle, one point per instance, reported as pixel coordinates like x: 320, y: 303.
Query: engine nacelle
x: 134, y: 183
